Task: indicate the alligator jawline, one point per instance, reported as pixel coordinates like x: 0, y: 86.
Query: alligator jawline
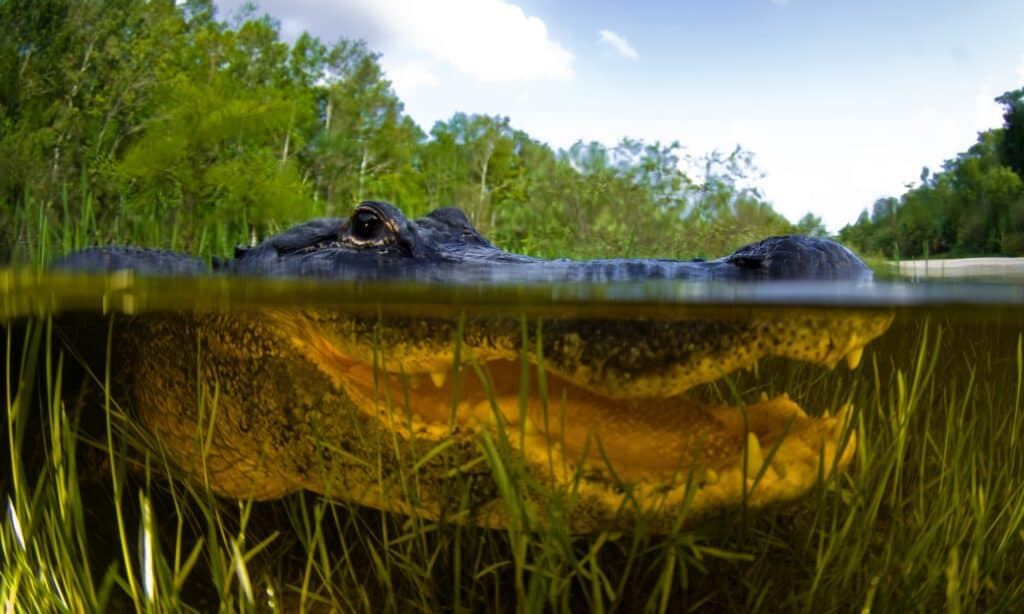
x: 655, y: 449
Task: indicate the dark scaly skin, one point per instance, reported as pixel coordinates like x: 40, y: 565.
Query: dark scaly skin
x: 280, y: 425
x: 378, y: 243
x: 293, y: 403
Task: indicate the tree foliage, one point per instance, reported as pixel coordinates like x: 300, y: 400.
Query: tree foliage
x: 1011, y: 146
x: 974, y: 205
x: 155, y: 122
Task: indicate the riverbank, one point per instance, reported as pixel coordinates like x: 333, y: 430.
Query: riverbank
x: 991, y: 266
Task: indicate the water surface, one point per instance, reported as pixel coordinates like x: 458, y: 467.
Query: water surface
x: 26, y: 293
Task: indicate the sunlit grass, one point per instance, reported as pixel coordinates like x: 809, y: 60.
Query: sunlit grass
x: 930, y: 516
x: 35, y: 232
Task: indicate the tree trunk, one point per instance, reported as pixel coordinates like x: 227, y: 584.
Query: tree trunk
x: 362, y: 172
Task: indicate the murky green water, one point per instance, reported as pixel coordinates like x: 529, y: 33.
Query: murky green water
x: 939, y: 389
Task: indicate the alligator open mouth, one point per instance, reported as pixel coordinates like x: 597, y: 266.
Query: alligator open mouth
x: 599, y: 440
x: 598, y: 404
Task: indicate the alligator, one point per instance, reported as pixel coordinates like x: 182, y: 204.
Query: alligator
x: 484, y: 417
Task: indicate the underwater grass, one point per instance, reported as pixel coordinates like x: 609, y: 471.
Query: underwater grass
x: 929, y: 517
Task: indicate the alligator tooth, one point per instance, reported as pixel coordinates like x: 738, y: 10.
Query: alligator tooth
x: 754, y: 457
x: 853, y: 358
x: 439, y: 378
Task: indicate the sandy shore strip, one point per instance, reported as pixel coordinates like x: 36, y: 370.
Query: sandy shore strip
x: 962, y: 267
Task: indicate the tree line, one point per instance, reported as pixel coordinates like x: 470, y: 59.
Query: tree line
x: 973, y: 206
x: 155, y: 122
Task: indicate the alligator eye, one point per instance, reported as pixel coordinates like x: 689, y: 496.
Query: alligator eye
x: 366, y: 225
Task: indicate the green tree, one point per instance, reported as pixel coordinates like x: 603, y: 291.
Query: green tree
x: 214, y: 154
x: 727, y: 208
x: 156, y: 110
x: 365, y: 146
x: 1011, y: 146
x: 812, y: 226
x: 482, y: 169
x: 973, y: 206
x: 78, y: 80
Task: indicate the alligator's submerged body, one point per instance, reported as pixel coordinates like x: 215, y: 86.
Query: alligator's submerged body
x: 414, y: 413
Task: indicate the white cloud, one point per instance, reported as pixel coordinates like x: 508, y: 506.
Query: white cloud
x: 410, y: 75
x: 1020, y: 68
x: 619, y: 43
x: 489, y: 40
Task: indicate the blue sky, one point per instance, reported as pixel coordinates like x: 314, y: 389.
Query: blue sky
x: 841, y: 102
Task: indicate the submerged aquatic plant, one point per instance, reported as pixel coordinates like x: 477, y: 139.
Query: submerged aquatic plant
x: 930, y: 516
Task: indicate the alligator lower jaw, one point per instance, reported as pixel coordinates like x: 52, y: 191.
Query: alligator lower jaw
x: 663, y: 455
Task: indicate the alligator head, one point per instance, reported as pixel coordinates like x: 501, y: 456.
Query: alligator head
x: 378, y: 242
x: 597, y: 410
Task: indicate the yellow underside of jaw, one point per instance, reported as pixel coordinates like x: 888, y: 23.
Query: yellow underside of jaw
x: 658, y: 453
